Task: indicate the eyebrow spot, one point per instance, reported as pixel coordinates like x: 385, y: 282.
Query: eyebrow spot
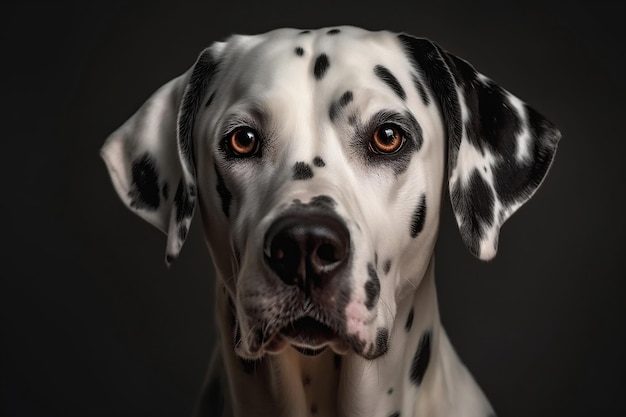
x: 388, y: 78
x: 299, y: 51
x: 338, y: 105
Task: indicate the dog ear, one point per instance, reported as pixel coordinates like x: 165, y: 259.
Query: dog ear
x: 499, y: 148
x: 150, y: 158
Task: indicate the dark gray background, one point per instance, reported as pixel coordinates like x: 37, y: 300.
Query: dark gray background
x: 94, y: 324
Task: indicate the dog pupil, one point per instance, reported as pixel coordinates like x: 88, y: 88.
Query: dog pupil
x: 389, y: 135
x: 245, y: 138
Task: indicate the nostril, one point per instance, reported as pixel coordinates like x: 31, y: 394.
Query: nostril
x: 283, y: 252
x: 278, y: 254
x: 327, y: 253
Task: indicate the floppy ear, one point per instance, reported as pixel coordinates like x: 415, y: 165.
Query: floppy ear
x: 150, y: 158
x: 499, y: 148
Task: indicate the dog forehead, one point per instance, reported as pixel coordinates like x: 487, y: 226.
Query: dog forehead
x: 281, y: 59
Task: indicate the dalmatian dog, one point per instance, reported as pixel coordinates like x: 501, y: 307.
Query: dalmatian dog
x: 318, y: 160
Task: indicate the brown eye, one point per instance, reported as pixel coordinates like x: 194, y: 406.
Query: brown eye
x: 387, y: 139
x: 243, y: 141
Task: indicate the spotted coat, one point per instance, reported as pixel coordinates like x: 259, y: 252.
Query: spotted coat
x: 318, y: 159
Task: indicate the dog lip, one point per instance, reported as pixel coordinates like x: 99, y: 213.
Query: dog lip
x: 309, y: 351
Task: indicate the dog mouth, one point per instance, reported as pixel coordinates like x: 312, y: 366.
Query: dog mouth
x: 308, y: 336
x: 308, y: 333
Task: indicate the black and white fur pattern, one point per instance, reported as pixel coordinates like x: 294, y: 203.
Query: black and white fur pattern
x: 367, y: 341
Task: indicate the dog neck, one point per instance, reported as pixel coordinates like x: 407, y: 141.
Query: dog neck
x: 419, y: 374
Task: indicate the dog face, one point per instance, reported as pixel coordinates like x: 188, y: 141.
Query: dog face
x: 318, y: 156
x: 318, y: 159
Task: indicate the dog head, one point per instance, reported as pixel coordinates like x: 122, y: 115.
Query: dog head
x: 317, y: 160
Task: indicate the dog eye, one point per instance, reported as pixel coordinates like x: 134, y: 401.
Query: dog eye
x: 243, y: 141
x: 387, y: 139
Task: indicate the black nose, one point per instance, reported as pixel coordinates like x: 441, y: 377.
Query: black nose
x: 307, y: 249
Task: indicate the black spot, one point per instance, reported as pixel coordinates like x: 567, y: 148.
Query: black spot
x: 396, y: 414
x: 299, y: 51
x: 323, y: 201
x: 169, y: 258
x: 372, y: 287
x: 306, y: 380
x: 165, y: 191
x: 210, y: 100
x: 389, y: 79
x: 409, y: 320
x: 304, y: 32
x: 421, y: 90
x: 390, y: 391
x: 313, y: 409
x: 421, y: 359
x: 338, y: 105
x: 302, y: 171
x: 352, y: 119
x: 474, y: 203
x: 333, y: 31
x: 183, y: 203
x: 387, y: 266
x: 381, y: 345
x: 145, y: 191
x: 223, y: 192
x: 419, y: 217
x: 319, y: 162
x: 321, y: 65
